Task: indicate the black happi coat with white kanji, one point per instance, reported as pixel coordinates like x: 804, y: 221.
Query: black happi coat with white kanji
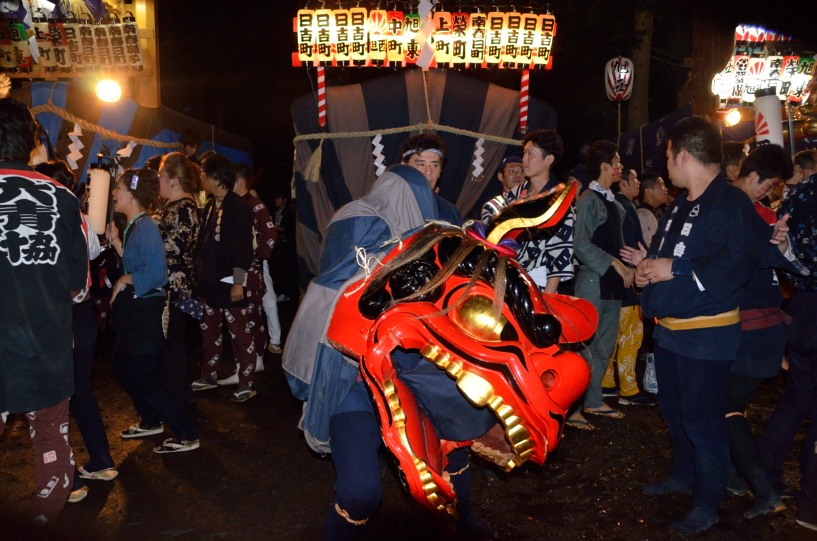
x: 43, y: 259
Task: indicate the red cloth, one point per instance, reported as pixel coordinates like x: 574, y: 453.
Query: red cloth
x: 766, y: 213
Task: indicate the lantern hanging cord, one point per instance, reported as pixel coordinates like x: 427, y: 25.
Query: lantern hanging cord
x: 425, y: 97
x: 416, y: 127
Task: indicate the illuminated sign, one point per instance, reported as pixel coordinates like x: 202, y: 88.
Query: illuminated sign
x: 376, y: 37
x: 763, y: 59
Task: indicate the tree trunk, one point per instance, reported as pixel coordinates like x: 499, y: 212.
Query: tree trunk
x: 639, y: 106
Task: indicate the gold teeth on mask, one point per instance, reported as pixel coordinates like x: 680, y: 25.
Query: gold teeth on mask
x: 481, y: 393
x: 430, y: 487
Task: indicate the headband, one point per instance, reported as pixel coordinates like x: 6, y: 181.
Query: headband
x: 407, y: 154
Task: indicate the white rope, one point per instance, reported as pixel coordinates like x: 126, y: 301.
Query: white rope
x: 366, y: 262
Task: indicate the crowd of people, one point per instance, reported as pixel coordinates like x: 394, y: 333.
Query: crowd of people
x: 687, y: 285
x: 164, y: 266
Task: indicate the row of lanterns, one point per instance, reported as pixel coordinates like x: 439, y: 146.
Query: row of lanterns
x: 756, y: 64
x: 362, y: 37
x: 64, y: 45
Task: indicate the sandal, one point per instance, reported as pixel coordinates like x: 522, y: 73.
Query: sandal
x: 608, y: 412
x: 578, y: 422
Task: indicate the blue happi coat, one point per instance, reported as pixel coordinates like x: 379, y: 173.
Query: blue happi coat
x: 400, y: 202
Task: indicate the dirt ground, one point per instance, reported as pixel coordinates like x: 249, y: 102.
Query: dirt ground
x: 255, y: 478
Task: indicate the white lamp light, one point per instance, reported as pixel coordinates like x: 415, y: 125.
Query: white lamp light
x: 732, y: 117
x: 108, y: 90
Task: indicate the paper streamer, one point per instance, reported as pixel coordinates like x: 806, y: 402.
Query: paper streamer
x: 74, y: 147
x: 424, y: 35
x: 377, y: 152
x: 479, y: 150
x: 127, y: 150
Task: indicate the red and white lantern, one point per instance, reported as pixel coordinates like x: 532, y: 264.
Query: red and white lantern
x: 618, y: 78
x: 769, y: 117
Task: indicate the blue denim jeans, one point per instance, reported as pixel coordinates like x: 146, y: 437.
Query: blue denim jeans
x: 692, y: 401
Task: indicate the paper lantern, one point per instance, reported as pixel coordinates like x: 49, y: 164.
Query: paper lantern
x: 442, y: 37
x: 459, y: 39
x: 8, y: 58
x: 323, y: 35
x: 395, y: 44
x: 378, y: 35
x: 544, y: 41
x: 361, y: 37
x: 19, y: 39
x: 477, y: 38
x: 512, y: 38
x: 87, y: 43
x: 411, y: 33
x: 618, y: 78
x: 342, y: 35
x: 99, y: 192
x: 495, y: 37
x: 59, y: 42
x: 133, y: 48
x: 305, y: 22
x: 357, y: 33
x: 769, y: 117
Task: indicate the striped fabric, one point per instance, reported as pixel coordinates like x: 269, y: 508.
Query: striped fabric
x: 124, y: 118
x: 349, y: 165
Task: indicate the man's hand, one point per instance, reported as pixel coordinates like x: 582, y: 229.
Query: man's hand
x: 633, y: 256
x: 651, y: 271
x: 780, y: 234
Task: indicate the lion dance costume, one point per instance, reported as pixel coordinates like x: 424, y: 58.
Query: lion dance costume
x: 453, y: 343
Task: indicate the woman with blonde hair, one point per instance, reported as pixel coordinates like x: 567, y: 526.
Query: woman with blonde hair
x: 178, y: 222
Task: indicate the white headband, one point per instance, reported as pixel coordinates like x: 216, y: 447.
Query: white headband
x: 407, y: 154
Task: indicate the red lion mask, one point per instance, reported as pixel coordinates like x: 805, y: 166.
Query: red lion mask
x: 462, y: 301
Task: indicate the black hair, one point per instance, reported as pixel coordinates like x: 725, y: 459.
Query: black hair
x: 154, y: 162
x: 59, y: 171
x: 732, y: 154
x: 18, y: 131
x: 807, y: 159
x: 600, y: 152
x: 221, y: 169
x: 144, y: 185
x: 243, y: 171
x: 419, y: 143
x: 190, y: 137
x: 698, y: 136
x: 768, y: 161
x: 548, y: 140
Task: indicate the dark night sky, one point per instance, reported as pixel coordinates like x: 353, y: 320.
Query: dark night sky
x: 229, y: 64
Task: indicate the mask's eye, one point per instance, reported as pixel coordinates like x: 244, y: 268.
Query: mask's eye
x: 475, y: 316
